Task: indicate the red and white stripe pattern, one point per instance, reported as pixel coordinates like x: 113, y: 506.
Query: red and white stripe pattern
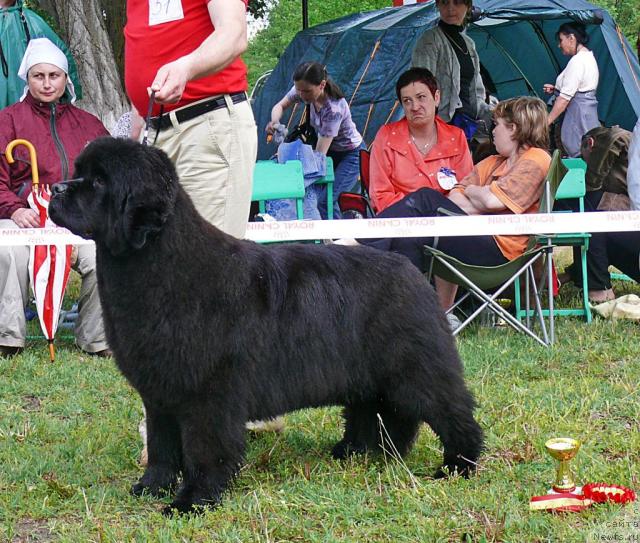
x: 48, y: 268
x: 407, y: 2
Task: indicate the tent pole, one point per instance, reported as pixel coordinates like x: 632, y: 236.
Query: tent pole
x: 510, y: 58
x: 543, y: 40
x: 305, y: 14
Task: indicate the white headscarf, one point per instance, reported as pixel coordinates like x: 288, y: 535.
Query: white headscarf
x: 43, y: 50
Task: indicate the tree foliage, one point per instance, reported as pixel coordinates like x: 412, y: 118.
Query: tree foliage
x: 285, y: 21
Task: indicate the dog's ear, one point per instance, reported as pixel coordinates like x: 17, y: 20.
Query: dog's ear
x: 143, y: 221
x: 140, y: 195
x: 147, y: 211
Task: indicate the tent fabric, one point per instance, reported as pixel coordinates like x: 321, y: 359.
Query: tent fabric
x: 13, y: 43
x: 366, y: 52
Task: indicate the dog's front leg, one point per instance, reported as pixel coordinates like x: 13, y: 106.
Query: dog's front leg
x: 213, y: 445
x: 165, y: 454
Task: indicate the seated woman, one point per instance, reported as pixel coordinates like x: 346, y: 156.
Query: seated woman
x: 510, y: 182
x: 59, y: 131
x: 606, y: 154
x: 418, y: 151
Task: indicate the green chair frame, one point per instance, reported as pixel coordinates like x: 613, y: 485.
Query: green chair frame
x: 478, y: 279
x: 572, y: 185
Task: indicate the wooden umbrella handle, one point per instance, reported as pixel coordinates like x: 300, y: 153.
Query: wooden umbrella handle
x: 32, y: 157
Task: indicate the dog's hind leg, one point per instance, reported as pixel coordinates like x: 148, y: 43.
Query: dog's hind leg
x: 450, y: 415
x: 461, y: 439
x: 360, y: 430
x: 213, y: 442
x: 447, y: 407
x: 165, y: 454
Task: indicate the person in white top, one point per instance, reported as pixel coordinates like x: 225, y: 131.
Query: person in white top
x: 575, y: 88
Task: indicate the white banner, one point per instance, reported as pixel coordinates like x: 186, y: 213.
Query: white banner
x: 475, y: 225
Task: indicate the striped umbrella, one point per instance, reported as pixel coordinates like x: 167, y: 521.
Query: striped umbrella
x: 48, y: 264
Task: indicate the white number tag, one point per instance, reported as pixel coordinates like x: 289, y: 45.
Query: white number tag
x: 163, y: 11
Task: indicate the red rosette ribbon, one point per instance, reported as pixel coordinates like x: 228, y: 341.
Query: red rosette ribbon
x: 602, y: 492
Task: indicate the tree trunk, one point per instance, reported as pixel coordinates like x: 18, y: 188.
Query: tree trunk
x: 82, y: 24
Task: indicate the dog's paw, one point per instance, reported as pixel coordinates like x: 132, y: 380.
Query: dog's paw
x: 344, y: 449
x: 157, y: 483
x: 187, y: 507
x: 452, y: 470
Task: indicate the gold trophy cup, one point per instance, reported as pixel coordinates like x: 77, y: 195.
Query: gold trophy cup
x: 563, y: 449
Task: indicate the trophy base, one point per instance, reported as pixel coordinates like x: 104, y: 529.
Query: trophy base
x: 574, y: 490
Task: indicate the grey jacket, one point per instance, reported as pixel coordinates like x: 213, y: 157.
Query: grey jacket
x: 434, y: 52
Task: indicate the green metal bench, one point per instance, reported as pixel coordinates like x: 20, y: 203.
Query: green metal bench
x: 273, y: 181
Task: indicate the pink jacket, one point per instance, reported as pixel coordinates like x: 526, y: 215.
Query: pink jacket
x: 398, y: 168
x: 57, y: 131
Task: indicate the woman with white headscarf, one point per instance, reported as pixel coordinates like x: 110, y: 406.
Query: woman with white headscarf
x: 59, y: 131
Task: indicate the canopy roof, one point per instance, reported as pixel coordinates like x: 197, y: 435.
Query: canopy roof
x: 366, y: 52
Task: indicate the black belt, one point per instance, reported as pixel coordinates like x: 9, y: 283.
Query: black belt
x: 191, y: 112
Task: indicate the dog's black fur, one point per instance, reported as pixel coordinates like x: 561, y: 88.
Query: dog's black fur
x: 213, y: 331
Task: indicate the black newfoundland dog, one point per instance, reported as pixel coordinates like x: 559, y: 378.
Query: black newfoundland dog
x: 213, y: 331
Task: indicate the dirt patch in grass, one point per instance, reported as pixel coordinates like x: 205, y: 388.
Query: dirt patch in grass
x: 31, y: 403
x: 29, y: 530
x: 511, y: 457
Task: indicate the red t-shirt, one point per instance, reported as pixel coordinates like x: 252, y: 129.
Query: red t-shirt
x: 179, y: 27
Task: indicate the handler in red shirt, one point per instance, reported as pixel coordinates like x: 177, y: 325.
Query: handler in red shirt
x: 419, y: 151
x: 188, y: 52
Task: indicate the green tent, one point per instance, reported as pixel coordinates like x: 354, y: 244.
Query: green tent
x: 17, y: 25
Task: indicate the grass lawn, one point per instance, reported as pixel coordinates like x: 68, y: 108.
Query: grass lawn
x: 69, y: 448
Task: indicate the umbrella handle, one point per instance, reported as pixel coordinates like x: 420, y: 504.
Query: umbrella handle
x: 32, y: 157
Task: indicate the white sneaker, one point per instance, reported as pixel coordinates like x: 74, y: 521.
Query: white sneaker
x: 454, y: 322
x: 350, y: 242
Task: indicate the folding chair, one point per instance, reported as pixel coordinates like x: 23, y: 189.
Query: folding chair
x: 571, y: 185
x: 358, y: 203
x: 496, y: 279
x: 478, y: 279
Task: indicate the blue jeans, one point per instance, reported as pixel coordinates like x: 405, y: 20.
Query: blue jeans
x: 346, y: 167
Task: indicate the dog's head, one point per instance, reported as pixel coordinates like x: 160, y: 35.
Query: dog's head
x: 122, y: 194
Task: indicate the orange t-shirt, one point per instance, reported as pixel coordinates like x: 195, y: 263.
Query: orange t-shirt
x: 398, y: 168
x: 519, y: 188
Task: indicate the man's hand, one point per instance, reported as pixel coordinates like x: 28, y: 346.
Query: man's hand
x: 26, y: 218
x: 170, y: 81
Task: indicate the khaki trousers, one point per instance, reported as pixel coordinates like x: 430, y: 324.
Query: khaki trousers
x: 14, y: 295
x: 215, y: 154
